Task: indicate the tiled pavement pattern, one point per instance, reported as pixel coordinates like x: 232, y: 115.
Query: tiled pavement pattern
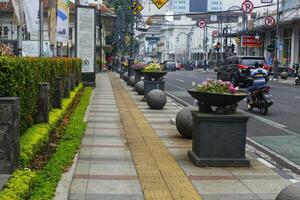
x: 105, y: 168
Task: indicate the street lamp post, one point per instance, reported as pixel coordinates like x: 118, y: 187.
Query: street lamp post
x: 277, y: 43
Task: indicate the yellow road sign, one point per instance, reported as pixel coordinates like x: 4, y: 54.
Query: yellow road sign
x: 136, y: 7
x: 160, y: 3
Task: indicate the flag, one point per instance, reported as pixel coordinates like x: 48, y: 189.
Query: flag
x: 62, y: 33
x: 52, y: 21
x: 19, y: 10
x: 31, y: 10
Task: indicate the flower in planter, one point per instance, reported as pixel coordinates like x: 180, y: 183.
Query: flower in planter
x: 216, y: 87
x: 138, y: 66
x: 125, y: 63
x: 153, y: 67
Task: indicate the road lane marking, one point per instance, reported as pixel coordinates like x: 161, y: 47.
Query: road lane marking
x: 297, y: 97
x: 293, y: 180
x: 180, y: 80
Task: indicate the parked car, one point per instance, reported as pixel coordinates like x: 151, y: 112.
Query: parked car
x: 169, y: 65
x: 237, y: 69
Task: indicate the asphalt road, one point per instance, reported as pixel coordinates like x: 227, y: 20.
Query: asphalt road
x: 279, y: 130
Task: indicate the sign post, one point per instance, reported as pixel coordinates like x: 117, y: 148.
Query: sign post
x: 86, y: 43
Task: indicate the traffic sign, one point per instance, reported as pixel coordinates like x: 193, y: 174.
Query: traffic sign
x: 270, y: 21
x: 247, y: 6
x: 136, y: 7
x: 215, y: 33
x: 202, y: 24
x: 159, y: 3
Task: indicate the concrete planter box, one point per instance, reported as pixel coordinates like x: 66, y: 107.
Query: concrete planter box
x: 219, y: 140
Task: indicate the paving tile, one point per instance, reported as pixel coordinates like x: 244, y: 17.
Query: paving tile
x: 266, y: 186
x: 99, y: 125
x: 163, y: 126
x: 112, y: 153
x: 104, y: 119
x: 82, y: 167
x: 120, y: 187
x: 221, y: 187
x: 78, y: 186
x: 191, y: 170
x: 112, y: 168
x: 114, y: 197
x: 180, y: 154
x: 75, y: 196
x: 114, y: 141
x: 253, y: 170
x: 104, y: 114
x: 3, y: 179
x: 230, y: 197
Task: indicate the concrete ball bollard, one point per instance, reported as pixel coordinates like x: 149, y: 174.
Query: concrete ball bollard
x: 139, y: 87
x: 291, y: 192
x: 284, y: 75
x: 132, y: 81
x: 184, y: 122
x: 156, y: 99
x: 125, y: 76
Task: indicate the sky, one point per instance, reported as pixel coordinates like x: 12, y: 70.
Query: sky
x: 228, y: 3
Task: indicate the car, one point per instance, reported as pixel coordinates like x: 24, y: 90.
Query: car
x: 169, y: 65
x: 238, y: 69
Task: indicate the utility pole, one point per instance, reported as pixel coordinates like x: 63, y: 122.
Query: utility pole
x: 100, y: 38
x: 277, y: 43
x: 75, y: 27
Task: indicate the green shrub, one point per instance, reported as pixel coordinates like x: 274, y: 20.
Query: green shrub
x: 18, y: 186
x: 37, y: 135
x: 20, y: 77
x: 46, y: 180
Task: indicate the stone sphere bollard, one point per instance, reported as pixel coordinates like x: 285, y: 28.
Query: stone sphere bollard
x: 131, y: 81
x: 156, y: 99
x: 283, y: 75
x: 184, y: 122
x: 139, y: 87
x: 291, y: 192
x: 125, y: 76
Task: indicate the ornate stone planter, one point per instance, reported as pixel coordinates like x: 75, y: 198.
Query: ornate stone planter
x: 219, y: 132
x: 153, y: 80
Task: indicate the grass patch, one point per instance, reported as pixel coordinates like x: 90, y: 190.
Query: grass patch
x: 36, y: 136
x: 46, y: 180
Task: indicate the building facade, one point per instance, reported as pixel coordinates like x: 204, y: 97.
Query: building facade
x: 214, y: 5
x: 198, y: 6
x: 179, y: 6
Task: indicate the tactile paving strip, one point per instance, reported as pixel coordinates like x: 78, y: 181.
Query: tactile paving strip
x: 159, y: 174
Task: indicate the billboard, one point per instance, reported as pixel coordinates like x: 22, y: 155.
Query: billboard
x: 251, y: 41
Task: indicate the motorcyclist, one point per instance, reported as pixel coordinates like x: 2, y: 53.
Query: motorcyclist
x: 258, y: 76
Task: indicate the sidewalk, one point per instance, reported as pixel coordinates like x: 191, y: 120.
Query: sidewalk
x: 132, y: 152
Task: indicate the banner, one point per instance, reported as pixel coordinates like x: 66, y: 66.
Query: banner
x: 30, y: 48
x: 31, y: 10
x: 19, y: 10
x: 52, y: 21
x: 62, y: 32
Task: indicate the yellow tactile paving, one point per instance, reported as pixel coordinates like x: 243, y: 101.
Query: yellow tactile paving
x: 160, y: 176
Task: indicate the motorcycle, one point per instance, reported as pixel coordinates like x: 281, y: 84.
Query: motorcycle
x: 261, y: 99
x: 297, y: 70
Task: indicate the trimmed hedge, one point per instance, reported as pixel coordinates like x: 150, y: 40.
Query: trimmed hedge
x: 36, y: 136
x: 18, y: 186
x: 25, y: 184
x: 46, y: 180
x: 20, y: 77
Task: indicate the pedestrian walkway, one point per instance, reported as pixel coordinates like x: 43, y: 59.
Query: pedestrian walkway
x: 132, y: 152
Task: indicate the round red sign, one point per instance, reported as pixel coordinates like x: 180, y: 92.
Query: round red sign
x: 270, y: 21
x: 247, y: 6
x: 202, y: 24
x: 215, y: 33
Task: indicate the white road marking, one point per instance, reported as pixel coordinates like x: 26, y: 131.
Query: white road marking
x: 180, y: 80
x: 263, y: 161
x: 297, y: 97
x: 293, y: 180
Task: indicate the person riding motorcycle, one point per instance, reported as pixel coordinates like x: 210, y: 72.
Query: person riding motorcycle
x: 258, y: 76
